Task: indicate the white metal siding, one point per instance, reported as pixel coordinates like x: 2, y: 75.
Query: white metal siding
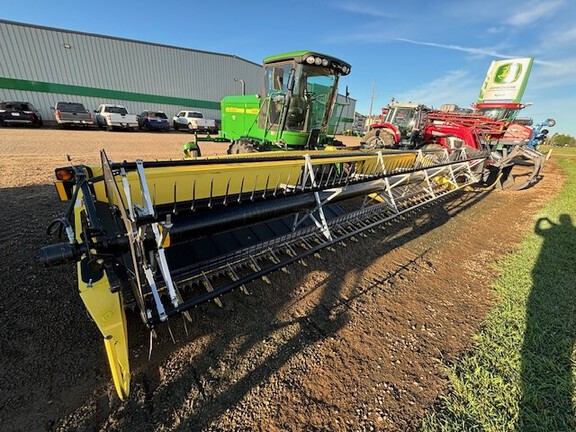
x: 38, y: 54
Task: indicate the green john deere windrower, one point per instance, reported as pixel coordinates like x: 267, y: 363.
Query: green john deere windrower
x: 299, y: 91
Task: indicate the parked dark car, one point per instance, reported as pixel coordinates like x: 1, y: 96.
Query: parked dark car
x: 153, y: 120
x: 19, y: 113
x: 72, y: 114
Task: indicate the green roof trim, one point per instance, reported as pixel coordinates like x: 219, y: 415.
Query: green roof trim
x: 74, y: 90
x: 286, y: 55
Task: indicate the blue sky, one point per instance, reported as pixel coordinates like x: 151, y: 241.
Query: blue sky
x: 433, y: 52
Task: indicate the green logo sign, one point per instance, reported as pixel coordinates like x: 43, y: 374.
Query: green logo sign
x: 508, y: 73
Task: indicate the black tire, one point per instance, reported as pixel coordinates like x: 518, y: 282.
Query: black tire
x: 378, y: 138
x: 431, y: 147
x: 175, y: 126
x: 241, y: 146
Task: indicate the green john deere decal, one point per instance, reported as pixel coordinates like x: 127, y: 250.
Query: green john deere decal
x: 508, y: 73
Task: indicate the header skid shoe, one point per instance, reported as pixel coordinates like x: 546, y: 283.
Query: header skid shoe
x: 166, y: 236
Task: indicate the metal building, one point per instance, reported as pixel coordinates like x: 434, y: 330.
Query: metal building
x: 44, y: 65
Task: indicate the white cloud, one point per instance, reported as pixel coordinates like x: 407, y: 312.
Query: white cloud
x: 561, y: 37
x: 534, y: 11
x: 456, y: 86
x: 478, y: 51
x: 470, y: 50
x: 362, y: 8
x: 555, y: 75
x: 495, y: 30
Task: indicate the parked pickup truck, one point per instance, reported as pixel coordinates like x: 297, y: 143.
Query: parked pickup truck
x: 72, y: 114
x: 194, y: 121
x: 115, y: 116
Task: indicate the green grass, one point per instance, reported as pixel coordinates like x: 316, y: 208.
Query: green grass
x: 521, y: 373
x: 559, y: 151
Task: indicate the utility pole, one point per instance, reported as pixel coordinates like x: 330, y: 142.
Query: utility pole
x: 371, y: 103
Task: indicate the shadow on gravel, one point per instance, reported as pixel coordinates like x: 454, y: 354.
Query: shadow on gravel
x: 550, y: 336
x: 59, y: 370
x: 49, y: 350
x: 249, y: 343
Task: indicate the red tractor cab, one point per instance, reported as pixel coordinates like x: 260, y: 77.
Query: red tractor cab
x: 401, y: 126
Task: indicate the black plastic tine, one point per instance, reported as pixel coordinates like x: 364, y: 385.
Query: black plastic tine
x: 287, y: 183
x: 348, y: 175
x: 240, y: 193
x: 175, y: 209
x: 185, y: 326
x: 329, y: 174
x: 232, y: 274
x: 319, y: 182
x: 341, y: 176
x: 276, y: 187
x: 274, y: 258
x: 211, y: 191
x: 254, y: 190
x: 170, y: 331
x: 335, y: 176
x: 193, y: 207
x: 301, y: 176
x: 266, y: 186
x: 225, y: 202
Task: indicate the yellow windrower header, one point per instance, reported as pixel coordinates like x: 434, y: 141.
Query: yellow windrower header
x: 177, y: 234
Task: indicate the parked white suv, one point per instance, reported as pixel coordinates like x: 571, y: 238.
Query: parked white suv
x: 194, y: 121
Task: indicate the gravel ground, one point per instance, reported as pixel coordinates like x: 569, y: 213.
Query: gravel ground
x: 357, y: 340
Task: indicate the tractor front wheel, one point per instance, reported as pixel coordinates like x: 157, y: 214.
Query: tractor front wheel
x: 378, y: 138
x: 431, y: 147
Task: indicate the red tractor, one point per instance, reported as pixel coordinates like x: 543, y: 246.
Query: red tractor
x: 491, y: 127
x: 400, y: 124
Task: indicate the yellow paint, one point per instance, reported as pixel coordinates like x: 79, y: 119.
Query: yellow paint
x: 225, y: 176
x: 444, y: 182
x: 107, y: 311
x: 61, y: 191
x: 377, y: 197
x: 234, y: 110
x: 166, y: 242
